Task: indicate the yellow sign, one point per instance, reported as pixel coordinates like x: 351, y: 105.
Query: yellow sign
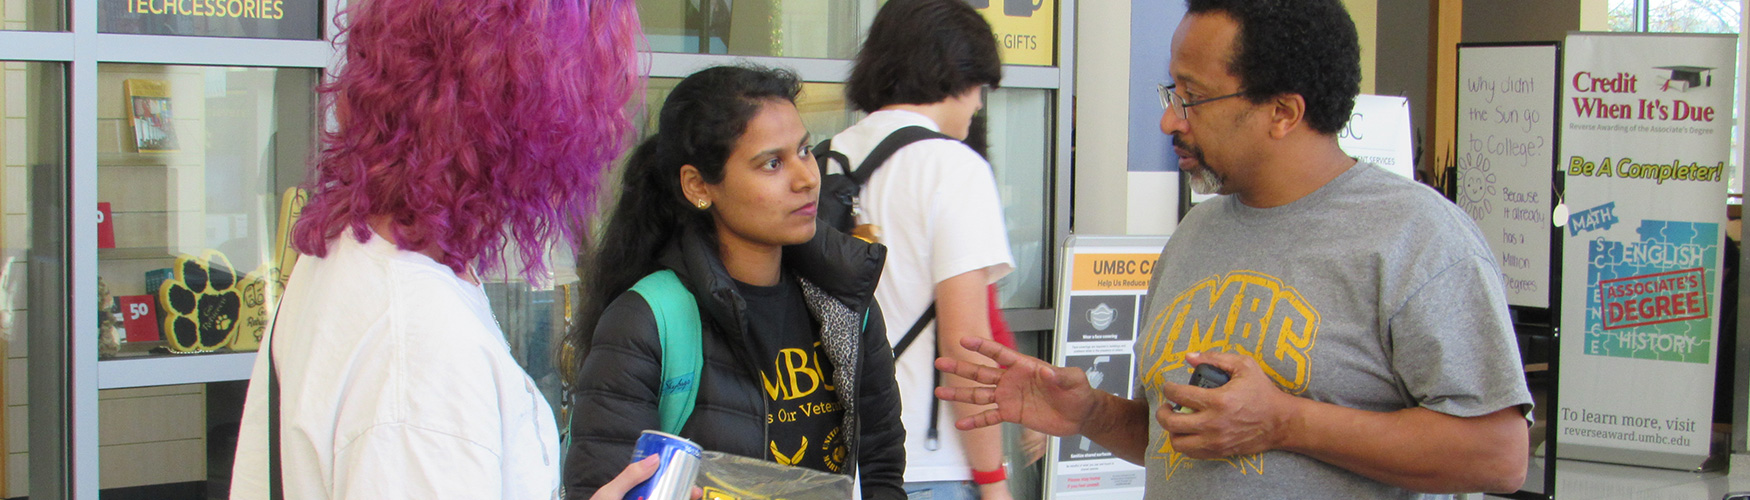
x: 249, y: 9
x: 1026, y: 29
x: 286, y: 257
x: 1112, y: 271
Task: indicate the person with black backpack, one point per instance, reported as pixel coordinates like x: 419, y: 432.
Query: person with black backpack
x: 908, y: 182
x: 719, y: 309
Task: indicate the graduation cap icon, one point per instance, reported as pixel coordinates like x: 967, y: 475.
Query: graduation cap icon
x: 1687, y: 77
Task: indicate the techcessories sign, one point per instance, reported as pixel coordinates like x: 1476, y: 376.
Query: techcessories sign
x: 276, y: 19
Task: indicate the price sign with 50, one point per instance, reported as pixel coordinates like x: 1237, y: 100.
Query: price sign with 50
x: 139, y: 317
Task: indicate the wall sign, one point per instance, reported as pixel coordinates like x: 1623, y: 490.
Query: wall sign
x: 105, y: 226
x: 1104, y: 283
x: 1507, y: 117
x: 1646, y: 134
x: 280, y: 19
x: 1026, y: 29
x: 139, y: 318
x: 1379, y: 132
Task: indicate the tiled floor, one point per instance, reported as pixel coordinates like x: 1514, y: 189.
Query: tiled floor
x: 1578, y: 480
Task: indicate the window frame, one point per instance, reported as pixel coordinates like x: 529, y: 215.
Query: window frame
x: 67, y: 390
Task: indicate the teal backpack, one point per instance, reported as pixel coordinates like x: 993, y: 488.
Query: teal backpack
x: 676, y: 313
x: 678, y: 328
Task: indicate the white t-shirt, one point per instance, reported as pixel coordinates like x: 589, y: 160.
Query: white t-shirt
x: 395, y: 382
x: 936, y: 203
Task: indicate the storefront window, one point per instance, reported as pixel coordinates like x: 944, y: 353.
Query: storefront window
x: 1676, y: 16
x: 195, y: 170
x: 778, y: 28
x: 173, y: 441
x: 823, y: 107
x: 33, y: 155
x: 32, y: 15
x: 824, y: 110
x: 1693, y: 16
x: 1020, y: 129
x: 1688, y: 16
x: 196, y: 166
x: 535, y: 320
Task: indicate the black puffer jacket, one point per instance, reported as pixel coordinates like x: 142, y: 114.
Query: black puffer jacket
x: 615, y: 394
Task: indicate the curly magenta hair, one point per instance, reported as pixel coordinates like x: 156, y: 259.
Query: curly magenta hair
x: 464, y: 122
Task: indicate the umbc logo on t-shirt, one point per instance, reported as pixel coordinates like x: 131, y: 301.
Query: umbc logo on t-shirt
x: 1243, y: 312
x: 798, y: 375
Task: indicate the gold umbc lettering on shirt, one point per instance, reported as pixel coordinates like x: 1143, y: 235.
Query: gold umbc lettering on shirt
x: 1243, y: 312
x: 798, y: 374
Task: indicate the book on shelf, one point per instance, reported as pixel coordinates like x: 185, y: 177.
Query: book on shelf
x: 150, y: 112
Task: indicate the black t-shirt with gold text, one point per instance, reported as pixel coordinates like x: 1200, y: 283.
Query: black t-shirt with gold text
x: 804, y: 415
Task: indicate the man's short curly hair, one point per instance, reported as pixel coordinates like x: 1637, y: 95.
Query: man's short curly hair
x: 1305, y: 47
x: 923, y: 52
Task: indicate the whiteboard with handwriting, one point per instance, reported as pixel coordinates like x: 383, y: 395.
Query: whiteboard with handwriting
x: 1505, y: 153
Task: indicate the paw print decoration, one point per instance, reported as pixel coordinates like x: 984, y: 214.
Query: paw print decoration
x: 207, y: 306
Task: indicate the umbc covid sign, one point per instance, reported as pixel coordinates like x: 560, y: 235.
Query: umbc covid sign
x: 278, y: 19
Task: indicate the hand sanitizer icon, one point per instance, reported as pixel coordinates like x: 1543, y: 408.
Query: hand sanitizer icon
x: 1095, y: 376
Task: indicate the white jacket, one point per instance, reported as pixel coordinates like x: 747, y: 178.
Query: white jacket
x: 395, y: 382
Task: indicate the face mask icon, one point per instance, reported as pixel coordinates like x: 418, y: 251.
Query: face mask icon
x: 1101, y: 316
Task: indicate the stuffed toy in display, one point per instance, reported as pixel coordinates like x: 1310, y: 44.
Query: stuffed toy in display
x: 202, y: 304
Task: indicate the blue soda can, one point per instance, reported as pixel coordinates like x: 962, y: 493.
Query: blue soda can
x: 676, y: 470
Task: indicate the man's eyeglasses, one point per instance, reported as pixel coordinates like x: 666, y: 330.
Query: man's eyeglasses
x: 1171, y: 100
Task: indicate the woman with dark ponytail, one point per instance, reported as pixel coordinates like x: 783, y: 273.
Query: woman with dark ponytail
x: 796, y: 366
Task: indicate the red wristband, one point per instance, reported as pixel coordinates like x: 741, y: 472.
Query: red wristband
x: 982, y: 477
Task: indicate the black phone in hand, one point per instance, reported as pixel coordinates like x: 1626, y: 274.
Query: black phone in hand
x: 1206, y: 376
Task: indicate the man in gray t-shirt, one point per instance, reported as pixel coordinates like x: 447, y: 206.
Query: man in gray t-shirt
x: 1372, y: 293
x: 1362, y: 318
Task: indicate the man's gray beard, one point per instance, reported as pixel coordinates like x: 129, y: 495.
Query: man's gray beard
x: 1204, y: 181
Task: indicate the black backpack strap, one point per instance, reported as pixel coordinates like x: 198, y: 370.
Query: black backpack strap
x: 898, y: 139
x: 932, y: 439
x: 917, y: 327
x: 276, y: 488
x: 823, y: 154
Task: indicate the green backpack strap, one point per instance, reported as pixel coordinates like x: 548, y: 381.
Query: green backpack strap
x: 678, y: 328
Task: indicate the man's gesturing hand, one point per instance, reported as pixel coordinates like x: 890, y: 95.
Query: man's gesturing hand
x: 1029, y: 392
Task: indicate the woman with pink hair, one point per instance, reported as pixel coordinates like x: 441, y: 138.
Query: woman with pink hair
x: 460, y: 129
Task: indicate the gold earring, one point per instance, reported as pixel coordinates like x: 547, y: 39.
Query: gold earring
x: 703, y: 204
